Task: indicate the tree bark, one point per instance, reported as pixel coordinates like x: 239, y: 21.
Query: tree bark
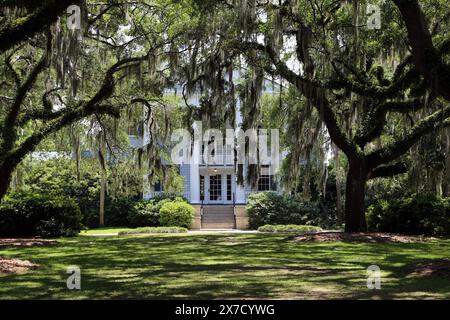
x: 340, y: 214
x: 42, y: 15
x: 5, y: 179
x: 425, y: 56
x: 102, y: 182
x: 101, y: 221
x: 355, y: 219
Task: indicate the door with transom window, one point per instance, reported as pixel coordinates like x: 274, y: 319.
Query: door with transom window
x: 216, y: 188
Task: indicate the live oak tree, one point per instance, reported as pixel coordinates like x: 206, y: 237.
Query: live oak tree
x: 52, y: 77
x: 360, y: 81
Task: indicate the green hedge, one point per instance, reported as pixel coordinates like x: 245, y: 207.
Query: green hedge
x: 290, y: 228
x: 283, y: 209
x: 154, y: 230
x: 415, y: 214
x: 35, y: 214
x: 145, y: 213
x: 176, y: 214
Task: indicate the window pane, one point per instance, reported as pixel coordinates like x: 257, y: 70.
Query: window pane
x: 265, y: 183
x: 229, y: 187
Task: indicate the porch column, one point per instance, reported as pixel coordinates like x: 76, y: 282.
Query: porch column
x: 195, y: 184
x: 240, y: 194
x: 195, y: 161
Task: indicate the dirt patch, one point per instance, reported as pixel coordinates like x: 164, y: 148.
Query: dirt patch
x: 438, y: 267
x: 25, y: 242
x: 16, y: 265
x: 360, y: 237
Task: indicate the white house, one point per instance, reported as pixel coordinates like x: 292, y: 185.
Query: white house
x: 212, y: 188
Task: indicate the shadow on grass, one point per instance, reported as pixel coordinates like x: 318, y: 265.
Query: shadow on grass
x: 221, y: 266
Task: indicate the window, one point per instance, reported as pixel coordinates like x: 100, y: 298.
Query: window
x: 202, y: 188
x: 266, y: 183
x: 215, y: 187
x: 136, y: 129
x: 229, y: 187
x: 158, y: 187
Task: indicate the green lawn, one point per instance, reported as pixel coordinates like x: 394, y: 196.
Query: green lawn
x: 210, y: 266
x: 105, y: 230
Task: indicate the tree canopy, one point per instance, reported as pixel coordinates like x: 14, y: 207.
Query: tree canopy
x: 373, y: 92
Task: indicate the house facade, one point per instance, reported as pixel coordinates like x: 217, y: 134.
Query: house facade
x: 212, y: 186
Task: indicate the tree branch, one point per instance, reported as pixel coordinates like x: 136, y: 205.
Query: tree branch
x: 388, y: 170
x: 41, y: 17
x: 312, y: 90
x: 439, y: 119
x: 425, y: 56
x: 9, y: 132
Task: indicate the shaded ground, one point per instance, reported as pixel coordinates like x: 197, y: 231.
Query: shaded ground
x: 440, y: 268
x: 223, y: 266
x: 15, y: 265
x: 25, y: 242
x: 361, y: 237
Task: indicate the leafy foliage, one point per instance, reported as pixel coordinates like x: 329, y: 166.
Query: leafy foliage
x: 283, y: 209
x: 176, y: 214
x: 414, y: 214
x: 146, y: 212
x: 154, y: 230
x: 34, y: 214
x: 289, y: 228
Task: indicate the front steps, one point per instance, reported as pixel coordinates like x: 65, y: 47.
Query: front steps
x: 218, y: 217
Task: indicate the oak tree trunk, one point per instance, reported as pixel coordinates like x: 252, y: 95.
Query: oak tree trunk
x: 355, y: 219
x: 102, y: 201
x: 5, y: 179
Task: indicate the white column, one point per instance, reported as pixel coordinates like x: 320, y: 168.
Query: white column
x: 223, y: 181
x: 240, y: 192
x: 194, y: 184
x: 194, y: 163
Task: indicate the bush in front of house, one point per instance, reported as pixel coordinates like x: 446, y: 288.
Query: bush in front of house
x: 283, y: 209
x: 118, y: 210
x: 176, y: 214
x: 34, y: 214
x: 146, y: 212
x: 289, y: 228
x: 146, y: 230
x: 414, y: 214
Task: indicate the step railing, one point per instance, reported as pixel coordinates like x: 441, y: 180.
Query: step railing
x: 234, y: 208
x: 201, y: 213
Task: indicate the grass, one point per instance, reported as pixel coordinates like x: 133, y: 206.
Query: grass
x: 106, y: 230
x: 222, y: 266
x: 149, y: 230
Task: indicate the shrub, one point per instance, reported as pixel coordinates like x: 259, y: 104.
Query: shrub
x: 118, y: 210
x: 154, y: 230
x: 34, y: 214
x: 282, y: 209
x: 290, y: 228
x: 146, y: 213
x: 415, y: 214
x: 176, y: 214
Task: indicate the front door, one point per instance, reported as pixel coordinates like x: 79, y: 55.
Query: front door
x: 215, y: 188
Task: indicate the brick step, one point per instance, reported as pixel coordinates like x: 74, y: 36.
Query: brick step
x: 230, y: 221
x: 217, y: 208
x: 218, y: 215
x: 219, y: 211
x: 217, y: 225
